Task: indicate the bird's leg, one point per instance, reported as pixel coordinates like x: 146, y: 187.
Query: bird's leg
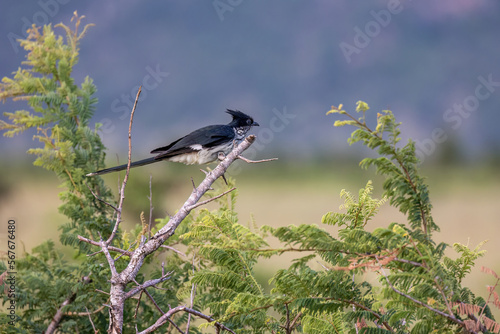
x: 221, y: 156
x: 224, y: 178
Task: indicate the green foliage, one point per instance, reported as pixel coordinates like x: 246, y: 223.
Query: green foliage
x: 359, y: 212
x: 403, y: 185
x: 60, y: 112
x: 325, y: 290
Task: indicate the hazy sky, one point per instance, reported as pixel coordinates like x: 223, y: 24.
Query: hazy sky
x: 435, y: 64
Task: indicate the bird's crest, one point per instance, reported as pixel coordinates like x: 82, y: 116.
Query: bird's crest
x: 237, y: 114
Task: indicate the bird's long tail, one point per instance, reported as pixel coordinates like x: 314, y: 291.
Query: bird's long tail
x: 123, y: 167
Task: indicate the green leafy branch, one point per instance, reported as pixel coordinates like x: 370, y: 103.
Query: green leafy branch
x: 403, y: 186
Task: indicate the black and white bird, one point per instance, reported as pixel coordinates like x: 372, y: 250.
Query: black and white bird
x: 200, y: 146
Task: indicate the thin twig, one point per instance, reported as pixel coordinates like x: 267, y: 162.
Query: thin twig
x: 173, y: 249
x: 100, y: 199
x: 294, y: 323
x: 84, y: 314
x: 153, y: 301
x: 150, y: 206
x: 127, y: 251
x: 147, y: 284
x: 193, y: 293
x: 125, y: 179
x: 91, y: 322
x: 210, y: 199
x: 138, y: 302
x: 111, y: 248
x: 56, y: 319
x: 94, y: 253
x: 248, y: 161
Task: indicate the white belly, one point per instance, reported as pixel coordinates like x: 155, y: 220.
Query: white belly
x: 201, y: 156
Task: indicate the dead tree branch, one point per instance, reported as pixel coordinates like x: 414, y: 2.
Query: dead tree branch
x: 119, y: 281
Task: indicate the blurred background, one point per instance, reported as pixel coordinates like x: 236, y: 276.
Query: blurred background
x: 434, y: 64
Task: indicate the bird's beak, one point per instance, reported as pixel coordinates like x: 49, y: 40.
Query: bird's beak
x: 255, y: 124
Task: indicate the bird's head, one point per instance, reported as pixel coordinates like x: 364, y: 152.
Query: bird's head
x: 241, y: 120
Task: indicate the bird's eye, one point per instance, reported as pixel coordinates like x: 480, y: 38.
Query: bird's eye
x: 249, y: 121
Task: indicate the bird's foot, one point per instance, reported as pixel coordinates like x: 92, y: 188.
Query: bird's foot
x: 221, y: 156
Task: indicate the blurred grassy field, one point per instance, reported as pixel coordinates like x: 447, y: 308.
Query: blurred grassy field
x: 466, y: 202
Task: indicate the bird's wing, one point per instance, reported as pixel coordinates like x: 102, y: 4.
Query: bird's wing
x: 208, y: 136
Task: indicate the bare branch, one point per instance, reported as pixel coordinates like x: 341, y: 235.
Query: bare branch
x: 138, y: 304
x: 150, y: 206
x: 120, y: 280
x: 127, y: 251
x: 193, y: 293
x: 84, y: 314
x: 91, y: 322
x: 173, y: 249
x: 60, y: 312
x: 169, y: 229
x: 106, y: 293
x: 147, y: 284
x: 58, y: 316
x: 125, y: 179
x: 111, y: 248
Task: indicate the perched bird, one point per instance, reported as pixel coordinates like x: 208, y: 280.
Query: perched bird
x: 200, y: 146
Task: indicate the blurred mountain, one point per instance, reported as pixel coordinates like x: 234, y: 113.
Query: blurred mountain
x: 285, y: 63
